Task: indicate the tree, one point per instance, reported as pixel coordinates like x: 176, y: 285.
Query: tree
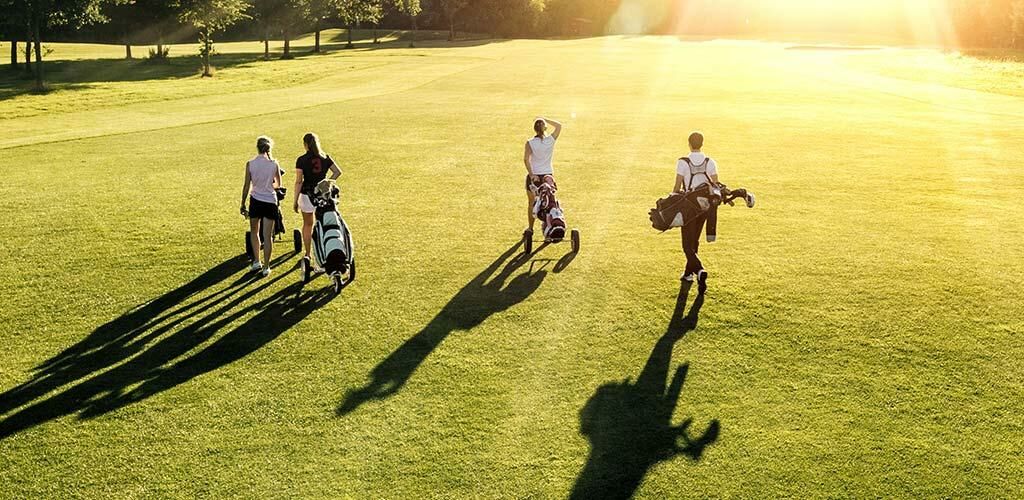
x: 1017, y: 21
x: 412, y: 9
x: 210, y: 16
x: 320, y: 10
x: 353, y: 12
x: 452, y: 7
x: 45, y: 14
x: 263, y: 12
x: 288, y: 15
x: 11, y: 25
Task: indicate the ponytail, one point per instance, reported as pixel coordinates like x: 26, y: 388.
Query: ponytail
x: 312, y: 142
x: 264, y: 145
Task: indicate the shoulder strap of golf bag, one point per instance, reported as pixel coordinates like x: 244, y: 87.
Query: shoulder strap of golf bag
x: 692, y: 174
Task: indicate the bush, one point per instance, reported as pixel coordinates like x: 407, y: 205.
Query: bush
x: 159, y: 55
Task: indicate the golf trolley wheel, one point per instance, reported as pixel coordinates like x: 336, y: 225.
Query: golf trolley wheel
x: 297, y: 240
x: 528, y: 242
x: 304, y: 268
x: 338, y: 283
x: 575, y: 240
x: 352, y: 271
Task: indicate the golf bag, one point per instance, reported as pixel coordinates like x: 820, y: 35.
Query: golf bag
x: 331, y: 242
x: 679, y: 209
x: 549, y: 211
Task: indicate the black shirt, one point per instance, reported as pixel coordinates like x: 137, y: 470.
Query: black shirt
x: 314, y: 169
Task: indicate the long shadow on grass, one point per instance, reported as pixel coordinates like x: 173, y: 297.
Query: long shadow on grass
x: 629, y: 424
x: 146, y: 351
x: 485, y: 295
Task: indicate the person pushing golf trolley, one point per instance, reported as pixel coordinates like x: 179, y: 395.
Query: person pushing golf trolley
x: 263, y: 190
x: 542, y: 204
x: 325, y: 235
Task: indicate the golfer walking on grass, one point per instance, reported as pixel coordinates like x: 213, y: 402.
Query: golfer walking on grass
x: 537, y: 157
x: 262, y: 177
x: 310, y: 169
x: 693, y: 171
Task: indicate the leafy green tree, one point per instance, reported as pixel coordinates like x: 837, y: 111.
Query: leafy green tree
x: 412, y: 9
x: 451, y: 8
x: 208, y: 17
x: 43, y: 15
x: 320, y: 10
x: 353, y: 12
x: 289, y: 16
x: 132, y: 15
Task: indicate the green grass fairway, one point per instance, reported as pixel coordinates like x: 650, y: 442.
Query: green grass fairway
x: 862, y: 337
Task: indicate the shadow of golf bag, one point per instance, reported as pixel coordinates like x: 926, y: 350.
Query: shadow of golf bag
x: 549, y: 211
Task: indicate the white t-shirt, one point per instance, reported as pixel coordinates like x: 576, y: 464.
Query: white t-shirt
x: 262, y: 172
x: 697, y: 159
x: 542, y: 151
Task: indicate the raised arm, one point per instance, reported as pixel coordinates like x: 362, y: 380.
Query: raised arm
x: 556, y: 125
x: 245, y: 188
x: 679, y: 184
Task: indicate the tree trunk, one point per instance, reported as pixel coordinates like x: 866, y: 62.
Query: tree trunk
x: 127, y: 44
x: 39, y: 55
x: 412, y: 42
x: 316, y: 45
x: 28, y: 48
x: 287, y: 45
x: 376, y: 40
x: 266, y: 44
x: 160, y: 42
x: 14, y: 52
x: 349, y: 30
x: 207, y: 48
x: 451, y: 29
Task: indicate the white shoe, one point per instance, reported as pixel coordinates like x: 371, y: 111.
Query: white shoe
x: 256, y: 266
x: 750, y: 200
x: 688, y: 277
x: 265, y: 272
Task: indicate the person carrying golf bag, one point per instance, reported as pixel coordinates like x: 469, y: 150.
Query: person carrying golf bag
x: 692, y: 172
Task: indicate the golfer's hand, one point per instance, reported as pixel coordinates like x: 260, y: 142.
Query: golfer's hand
x: 535, y: 178
x: 295, y: 206
x: 243, y: 211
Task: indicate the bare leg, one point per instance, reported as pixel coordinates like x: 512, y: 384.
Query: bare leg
x: 529, y: 208
x: 268, y: 239
x: 307, y: 232
x: 254, y: 237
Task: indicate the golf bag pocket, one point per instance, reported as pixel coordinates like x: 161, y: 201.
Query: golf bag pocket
x: 333, y: 248
x: 554, y: 224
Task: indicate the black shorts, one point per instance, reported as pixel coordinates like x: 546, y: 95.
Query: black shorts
x: 529, y: 181
x: 262, y: 210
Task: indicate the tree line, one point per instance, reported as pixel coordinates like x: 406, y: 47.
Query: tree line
x: 25, y: 23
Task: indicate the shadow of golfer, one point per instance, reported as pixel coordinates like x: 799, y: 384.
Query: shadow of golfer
x: 479, y: 299
x: 629, y: 424
x: 133, y: 349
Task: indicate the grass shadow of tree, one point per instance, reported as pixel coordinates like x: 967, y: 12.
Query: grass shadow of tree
x: 629, y: 424
x: 483, y: 296
x: 144, y: 351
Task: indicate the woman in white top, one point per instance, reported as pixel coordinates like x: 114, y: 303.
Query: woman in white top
x: 538, y: 155
x: 262, y: 178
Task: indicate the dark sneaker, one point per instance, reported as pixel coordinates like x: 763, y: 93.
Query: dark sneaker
x: 702, y: 281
